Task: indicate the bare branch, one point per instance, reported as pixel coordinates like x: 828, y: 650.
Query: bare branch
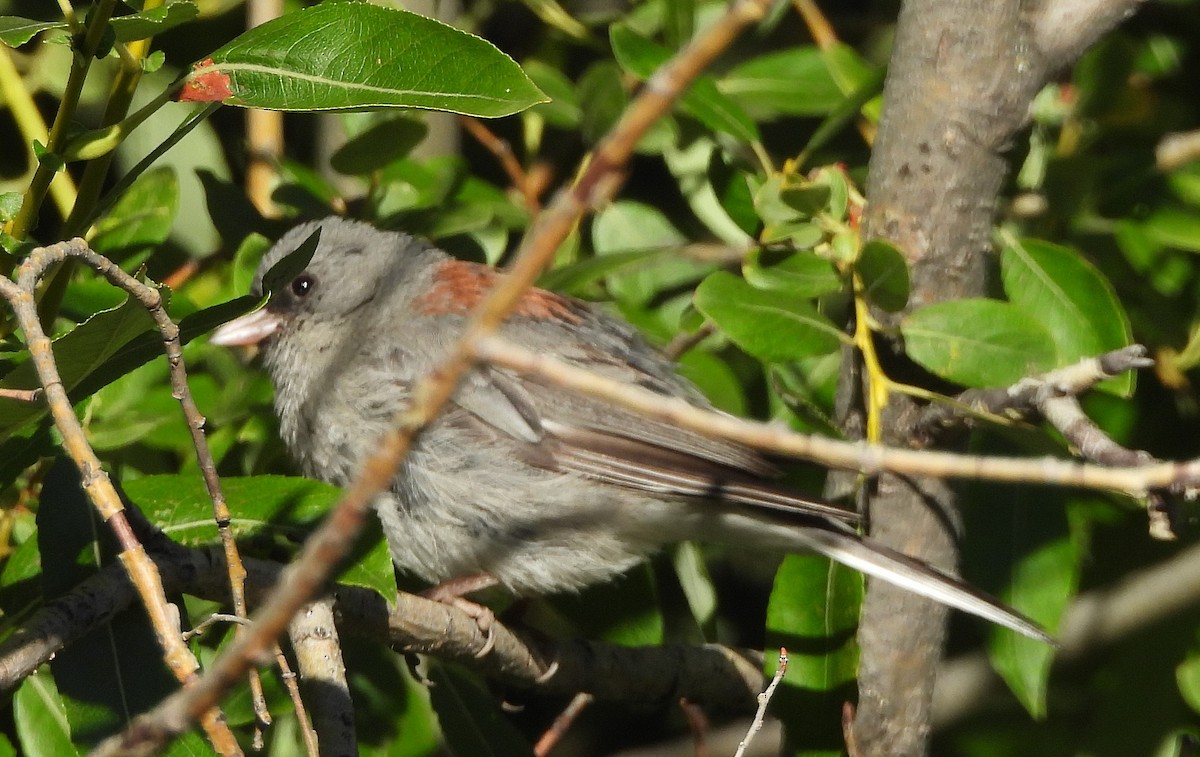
x: 868, y: 458
x: 1063, y: 29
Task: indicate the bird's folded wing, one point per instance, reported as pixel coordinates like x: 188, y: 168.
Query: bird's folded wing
x: 619, y: 447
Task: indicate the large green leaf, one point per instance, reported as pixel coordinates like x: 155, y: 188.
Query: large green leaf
x: 357, y: 55
x: 1072, y: 300
x: 977, y: 342
x: 772, y: 326
x: 470, y: 716
x: 813, y: 613
x: 642, y: 57
x: 1028, y: 552
x: 16, y: 31
x: 262, y: 507
x: 792, y: 82
x: 142, y: 217
x: 41, y: 718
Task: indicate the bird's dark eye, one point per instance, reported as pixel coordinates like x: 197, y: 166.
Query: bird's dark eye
x: 303, y: 284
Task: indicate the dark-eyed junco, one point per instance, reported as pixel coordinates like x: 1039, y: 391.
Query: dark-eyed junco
x: 539, y: 488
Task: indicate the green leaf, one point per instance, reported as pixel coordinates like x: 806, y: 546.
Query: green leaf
x: 813, y: 613
x: 792, y: 82
x: 978, y: 342
x: 358, y: 55
x: 562, y: 108
x: 41, y: 718
x: 632, y: 227
x: 576, y: 278
x: 377, y: 146
x: 470, y: 716
x: 800, y: 274
x: 1072, y: 300
x: 623, y: 611
x: 1187, y: 677
x: 1043, y: 583
x: 10, y: 205
x: 769, y: 325
x: 154, y: 21
x: 142, y: 217
x: 77, y: 354
x: 1029, y: 553
x: 884, y: 273
x: 642, y: 57
x: 264, y: 507
x: 16, y: 31
x: 1175, y: 227
x: 602, y: 99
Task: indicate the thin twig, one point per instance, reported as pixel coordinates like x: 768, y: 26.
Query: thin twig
x: 508, y: 161
x: 870, y: 459
x: 764, y: 699
x: 21, y: 395
x: 562, y: 724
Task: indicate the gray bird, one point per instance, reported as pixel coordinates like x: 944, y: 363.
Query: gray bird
x: 523, y: 483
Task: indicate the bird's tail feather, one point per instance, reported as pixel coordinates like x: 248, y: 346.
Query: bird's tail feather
x: 846, y: 546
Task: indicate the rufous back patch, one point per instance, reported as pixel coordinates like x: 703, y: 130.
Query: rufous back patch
x: 459, y: 286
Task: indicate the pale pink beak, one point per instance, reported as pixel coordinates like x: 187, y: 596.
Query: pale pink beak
x: 250, y: 329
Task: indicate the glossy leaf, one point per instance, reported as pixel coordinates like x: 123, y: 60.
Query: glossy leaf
x: 977, y: 342
x: 358, y: 55
x: 377, y: 146
x: 641, y: 57
x: 884, y: 273
x: 272, y: 507
x: 148, y: 23
x: 813, y: 613
x: 16, y: 31
x: 792, y: 82
x: 41, y: 718
x: 770, y: 325
x: 1029, y: 554
x: 1073, y: 301
x: 142, y: 217
x: 800, y: 274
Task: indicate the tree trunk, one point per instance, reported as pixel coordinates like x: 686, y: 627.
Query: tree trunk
x: 962, y: 77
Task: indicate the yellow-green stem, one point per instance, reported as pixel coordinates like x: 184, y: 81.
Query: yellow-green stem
x: 81, y: 61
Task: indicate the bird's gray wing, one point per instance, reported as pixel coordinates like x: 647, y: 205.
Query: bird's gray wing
x: 573, y: 433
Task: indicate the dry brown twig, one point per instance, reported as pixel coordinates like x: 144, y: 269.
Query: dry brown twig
x: 867, y: 458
